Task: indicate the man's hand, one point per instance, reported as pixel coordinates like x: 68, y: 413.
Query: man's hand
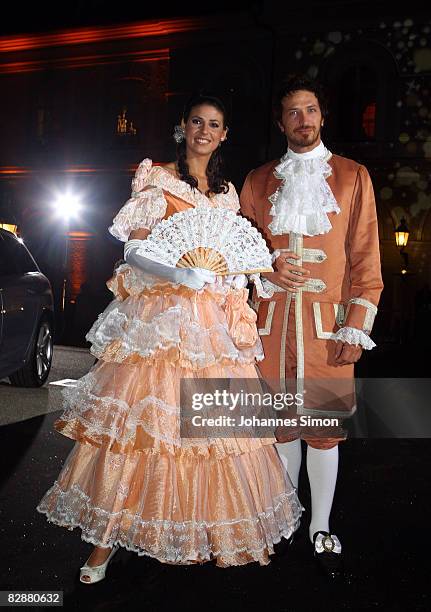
x: 347, y: 353
x: 287, y: 275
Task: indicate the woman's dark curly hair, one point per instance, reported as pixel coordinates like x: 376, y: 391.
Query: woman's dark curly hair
x: 217, y: 183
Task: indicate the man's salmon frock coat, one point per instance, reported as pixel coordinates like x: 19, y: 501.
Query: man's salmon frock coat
x: 343, y: 290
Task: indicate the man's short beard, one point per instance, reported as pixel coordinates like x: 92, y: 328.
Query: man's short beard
x: 304, y: 140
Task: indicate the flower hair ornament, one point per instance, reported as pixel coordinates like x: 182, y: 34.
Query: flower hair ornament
x: 179, y: 133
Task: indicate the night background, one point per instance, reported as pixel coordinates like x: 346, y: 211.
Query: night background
x: 69, y: 79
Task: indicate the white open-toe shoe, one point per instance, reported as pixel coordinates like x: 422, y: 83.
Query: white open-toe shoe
x: 96, y: 573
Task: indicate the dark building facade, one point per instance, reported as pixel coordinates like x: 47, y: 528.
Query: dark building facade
x: 81, y: 107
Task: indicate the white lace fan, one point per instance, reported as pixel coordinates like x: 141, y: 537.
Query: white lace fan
x: 213, y: 238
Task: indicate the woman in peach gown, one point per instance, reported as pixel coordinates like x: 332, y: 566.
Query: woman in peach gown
x: 130, y: 479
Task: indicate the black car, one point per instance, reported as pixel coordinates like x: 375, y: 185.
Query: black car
x: 26, y: 315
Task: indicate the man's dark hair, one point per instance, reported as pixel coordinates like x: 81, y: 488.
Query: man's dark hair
x: 293, y: 83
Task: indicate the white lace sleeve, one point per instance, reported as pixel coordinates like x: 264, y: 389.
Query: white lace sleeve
x: 229, y: 200
x: 351, y: 335
x: 144, y: 209
x: 234, y: 198
x: 261, y: 292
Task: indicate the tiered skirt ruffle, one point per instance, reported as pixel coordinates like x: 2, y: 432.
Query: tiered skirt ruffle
x: 131, y: 478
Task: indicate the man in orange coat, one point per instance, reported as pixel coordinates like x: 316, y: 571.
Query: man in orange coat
x: 315, y: 312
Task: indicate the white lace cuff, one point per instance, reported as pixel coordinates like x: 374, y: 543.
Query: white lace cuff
x: 351, y: 335
x: 255, y: 278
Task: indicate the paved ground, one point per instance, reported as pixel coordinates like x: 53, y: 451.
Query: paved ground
x: 380, y: 513
x: 17, y: 404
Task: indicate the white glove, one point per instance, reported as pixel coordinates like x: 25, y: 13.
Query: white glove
x: 194, y: 278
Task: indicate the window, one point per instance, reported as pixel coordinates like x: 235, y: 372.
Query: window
x: 128, y: 110
x: 355, y: 105
x: 362, y: 81
x: 369, y: 120
x: 48, y: 109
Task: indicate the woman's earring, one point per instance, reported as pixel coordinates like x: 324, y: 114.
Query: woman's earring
x: 179, y: 134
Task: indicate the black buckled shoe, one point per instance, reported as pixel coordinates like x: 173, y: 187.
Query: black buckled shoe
x: 327, y: 552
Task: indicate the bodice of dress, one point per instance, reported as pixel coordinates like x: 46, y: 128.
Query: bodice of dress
x: 178, y: 316
x: 182, y: 193
x: 156, y: 195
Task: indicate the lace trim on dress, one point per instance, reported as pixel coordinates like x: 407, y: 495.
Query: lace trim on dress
x: 175, y: 541
x: 115, y: 419
x: 134, y: 281
x: 160, y: 177
x: 121, y: 433
x: 119, y: 336
x: 144, y: 338
x: 139, y: 181
x: 266, y: 513
x: 142, y: 210
x: 147, y: 204
x: 302, y: 202
x: 103, y: 420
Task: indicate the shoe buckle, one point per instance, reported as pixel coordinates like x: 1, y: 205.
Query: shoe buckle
x: 328, y: 543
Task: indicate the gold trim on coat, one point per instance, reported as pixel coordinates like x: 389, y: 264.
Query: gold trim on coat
x: 266, y: 330
x: 339, y: 318
x: 313, y: 255
x: 283, y: 343
x: 370, y: 315
x: 308, y: 255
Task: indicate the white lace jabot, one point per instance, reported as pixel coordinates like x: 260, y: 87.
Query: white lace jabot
x: 304, y: 198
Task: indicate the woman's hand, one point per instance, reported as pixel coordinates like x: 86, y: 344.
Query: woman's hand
x: 195, y: 278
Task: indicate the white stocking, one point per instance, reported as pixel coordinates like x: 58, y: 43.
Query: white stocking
x: 322, y: 468
x: 290, y: 454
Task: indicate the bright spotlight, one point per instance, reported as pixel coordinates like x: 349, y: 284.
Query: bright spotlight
x: 67, y: 206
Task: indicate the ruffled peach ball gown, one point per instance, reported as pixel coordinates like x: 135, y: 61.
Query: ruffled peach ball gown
x: 130, y: 478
